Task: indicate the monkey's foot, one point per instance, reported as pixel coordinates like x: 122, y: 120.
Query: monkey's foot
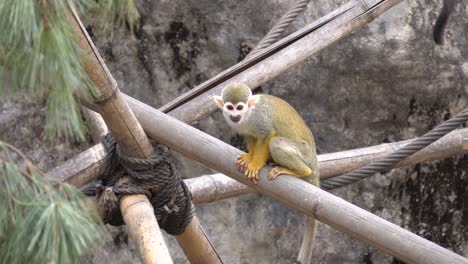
x: 243, y: 161
x: 252, y: 171
x: 277, y: 171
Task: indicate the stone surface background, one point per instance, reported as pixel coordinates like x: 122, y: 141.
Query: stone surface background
x: 385, y: 83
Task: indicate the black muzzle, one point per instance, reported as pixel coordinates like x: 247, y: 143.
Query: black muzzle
x: 235, y: 119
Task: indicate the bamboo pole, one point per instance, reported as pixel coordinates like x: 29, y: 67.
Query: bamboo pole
x: 96, y: 125
x: 210, y: 188
x: 328, y: 29
x: 136, y: 210
x: 215, y: 187
x: 294, y: 192
x: 85, y: 167
x: 97, y: 128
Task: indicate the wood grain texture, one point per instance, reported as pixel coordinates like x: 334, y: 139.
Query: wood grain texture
x: 82, y: 169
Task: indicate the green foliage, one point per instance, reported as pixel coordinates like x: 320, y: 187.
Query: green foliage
x: 40, y: 223
x: 38, y: 55
x: 119, y: 12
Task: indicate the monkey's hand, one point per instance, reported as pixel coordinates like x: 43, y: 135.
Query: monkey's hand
x: 243, y: 161
x: 252, y: 170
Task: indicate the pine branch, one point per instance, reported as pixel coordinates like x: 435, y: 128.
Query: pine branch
x: 38, y: 55
x: 40, y: 224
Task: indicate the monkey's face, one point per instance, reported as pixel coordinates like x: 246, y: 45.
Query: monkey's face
x: 237, y: 103
x: 235, y: 113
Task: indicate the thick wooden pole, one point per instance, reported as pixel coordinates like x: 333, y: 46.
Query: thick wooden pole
x: 215, y: 187
x: 86, y: 166
x: 209, y: 188
x: 294, y: 192
x: 136, y: 210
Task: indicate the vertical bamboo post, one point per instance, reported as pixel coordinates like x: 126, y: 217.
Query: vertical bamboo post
x: 136, y: 203
x: 136, y: 210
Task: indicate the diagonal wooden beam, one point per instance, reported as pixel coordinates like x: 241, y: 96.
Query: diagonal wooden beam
x: 210, y: 188
x: 86, y: 167
x: 294, y: 192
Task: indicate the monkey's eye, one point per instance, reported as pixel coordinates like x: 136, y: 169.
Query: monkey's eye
x: 230, y: 107
x: 240, y: 107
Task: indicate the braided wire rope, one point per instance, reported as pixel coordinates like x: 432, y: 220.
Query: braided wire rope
x: 388, y: 162
x: 275, y: 32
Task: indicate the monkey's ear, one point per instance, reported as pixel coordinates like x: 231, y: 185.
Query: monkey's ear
x: 252, y: 101
x: 218, y: 100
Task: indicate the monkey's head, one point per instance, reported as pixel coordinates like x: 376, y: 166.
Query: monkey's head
x: 236, y: 101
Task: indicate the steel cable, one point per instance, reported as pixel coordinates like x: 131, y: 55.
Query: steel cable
x: 275, y: 32
x: 397, y: 156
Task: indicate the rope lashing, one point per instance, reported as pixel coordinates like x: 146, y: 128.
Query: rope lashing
x: 388, y: 162
x: 154, y: 177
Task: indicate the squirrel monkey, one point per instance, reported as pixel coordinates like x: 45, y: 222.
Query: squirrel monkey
x: 273, y: 131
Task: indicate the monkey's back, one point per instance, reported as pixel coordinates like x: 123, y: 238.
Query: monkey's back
x: 287, y: 122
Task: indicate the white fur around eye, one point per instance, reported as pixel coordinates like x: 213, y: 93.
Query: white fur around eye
x: 228, y: 106
x: 240, y: 107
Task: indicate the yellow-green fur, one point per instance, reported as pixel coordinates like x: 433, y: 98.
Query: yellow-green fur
x: 273, y: 131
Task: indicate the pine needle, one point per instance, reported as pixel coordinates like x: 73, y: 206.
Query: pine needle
x: 38, y: 55
x: 40, y: 224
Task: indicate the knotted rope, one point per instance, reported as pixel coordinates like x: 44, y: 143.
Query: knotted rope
x: 154, y: 177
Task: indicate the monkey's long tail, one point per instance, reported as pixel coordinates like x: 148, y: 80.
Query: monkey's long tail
x: 305, y: 254
x: 439, y: 26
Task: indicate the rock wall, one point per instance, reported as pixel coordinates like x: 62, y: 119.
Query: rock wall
x: 387, y: 82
